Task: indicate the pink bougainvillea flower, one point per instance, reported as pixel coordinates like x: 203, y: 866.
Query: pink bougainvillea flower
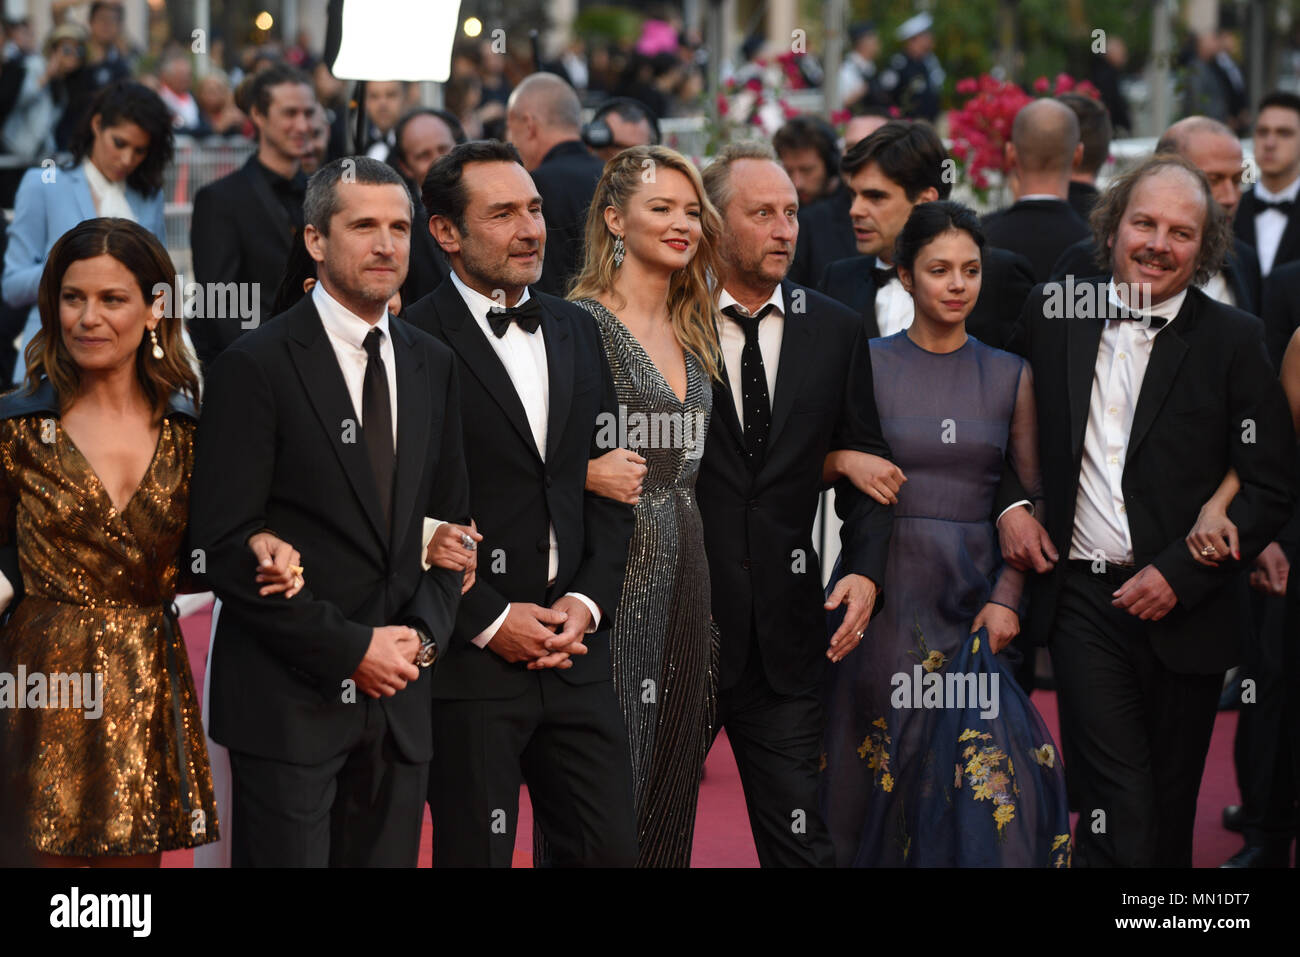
x: 1041, y: 85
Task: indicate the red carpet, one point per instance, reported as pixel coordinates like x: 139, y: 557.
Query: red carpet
x: 722, y: 837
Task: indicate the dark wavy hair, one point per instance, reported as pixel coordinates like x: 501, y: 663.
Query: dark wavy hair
x: 929, y: 220
x: 128, y: 102
x: 144, y: 256
x: 1216, y: 234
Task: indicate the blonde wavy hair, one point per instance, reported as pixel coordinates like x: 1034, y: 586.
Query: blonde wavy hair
x: 692, y: 309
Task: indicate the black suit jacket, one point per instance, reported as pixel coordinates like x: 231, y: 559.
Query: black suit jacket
x: 1243, y: 225
x: 1281, y: 310
x: 278, y: 447
x: 765, y: 576
x: 825, y: 236
x: 516, y: 493
x: 1082, y: 198
x: 240, y: 233
x: 566, y: 180
x: 1209, y: 402
x: 428, y: 266
x: 1038, y: 229
x: 1006, y: 281
x: 1240, y: 269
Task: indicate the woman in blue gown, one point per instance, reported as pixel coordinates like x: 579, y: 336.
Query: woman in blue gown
x: 934, y: 756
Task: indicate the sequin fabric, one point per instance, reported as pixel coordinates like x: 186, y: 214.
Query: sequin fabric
x: 663, y: 645
x: 134, y: 778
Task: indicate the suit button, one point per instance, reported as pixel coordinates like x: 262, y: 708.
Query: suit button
x: 548, y: 481
x: 753, y: 506
x: 745, y: 564
x: 543, y: 545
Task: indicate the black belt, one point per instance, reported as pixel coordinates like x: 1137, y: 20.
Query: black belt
x: 1111, y: 572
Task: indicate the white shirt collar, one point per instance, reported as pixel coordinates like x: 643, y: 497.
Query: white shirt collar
x: 1166, y: 310
x: 342, y: 322
x: 1028, y: 196
x: 1287, y: 194
x: 479, y: 305
x: 726, y: 299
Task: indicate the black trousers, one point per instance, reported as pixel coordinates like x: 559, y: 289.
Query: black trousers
x: 777, y: 740
x: 1262, y: 749
x: 362, y: 808
x: 567, y: 742
x: 1140, y: 731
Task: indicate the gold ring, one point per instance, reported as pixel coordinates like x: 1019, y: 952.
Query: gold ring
x: 1208, y: 550
x: 296, y: 569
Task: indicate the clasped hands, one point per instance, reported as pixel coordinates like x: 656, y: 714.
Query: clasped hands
x: 543, y: 637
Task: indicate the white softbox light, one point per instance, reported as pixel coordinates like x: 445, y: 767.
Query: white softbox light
x: 397, y: 39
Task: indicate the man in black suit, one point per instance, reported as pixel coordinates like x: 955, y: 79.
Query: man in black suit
x: 1148, y: 391
x: 806, y: 147
x: 1095, y: 135
x: 1215, y: 151
x: 244, y: 223
x: 544, y: 122
x: 1040, y: 224
x: 420, y: 139
x: 1267, y: 218
x: 525, y: 692
x: 889, y: 172
x: 337, y: 426
x: 798, y: 385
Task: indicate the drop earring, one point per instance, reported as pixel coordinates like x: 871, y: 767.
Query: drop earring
x: 618, y: 251
x: 157, y: 349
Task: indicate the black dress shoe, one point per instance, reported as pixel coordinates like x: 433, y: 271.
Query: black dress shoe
x: 1232, y: 817
x: 1253, y: 855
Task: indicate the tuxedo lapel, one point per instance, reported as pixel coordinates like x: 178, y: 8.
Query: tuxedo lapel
x: 559, y: 372
x: 1083, y: 336
x: 1245, y: 221
x: 1288, y: 247
x: 413, y: 418
x: 323, y: 384
x: 1167, y: 354
x: 473, y: 349
x: 791, y: 367
x: 725, y: 406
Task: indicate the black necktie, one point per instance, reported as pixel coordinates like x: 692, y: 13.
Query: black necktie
x: 377, y: 423
x: 1284, y: 206
x: 753, y: 386
x: 527, y: 314
x: 883, y: 276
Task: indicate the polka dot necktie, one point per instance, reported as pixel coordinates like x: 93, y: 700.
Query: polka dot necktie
x: 753, y: 386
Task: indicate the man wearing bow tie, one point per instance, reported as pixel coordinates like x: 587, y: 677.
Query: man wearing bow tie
x: 525, y: 693
x: 890, y: 172
x: 1266, y: 218
x: 1144, y: 403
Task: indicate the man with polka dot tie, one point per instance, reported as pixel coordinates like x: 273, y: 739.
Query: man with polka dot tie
x: 797, y: 385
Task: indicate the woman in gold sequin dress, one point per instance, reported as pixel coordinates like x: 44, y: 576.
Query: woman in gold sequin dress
x: 100, y: 737
x: 650, y: 247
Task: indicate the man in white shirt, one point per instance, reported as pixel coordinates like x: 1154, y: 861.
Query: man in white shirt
x: 1146, y: 398
x: 525, y: 694
x: 338, y: 425
x: 1267, y: 217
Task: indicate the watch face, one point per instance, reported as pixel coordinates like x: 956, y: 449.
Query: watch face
x: 427, y: 656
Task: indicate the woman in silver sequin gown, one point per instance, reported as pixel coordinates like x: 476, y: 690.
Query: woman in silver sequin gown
x: 655, y: 315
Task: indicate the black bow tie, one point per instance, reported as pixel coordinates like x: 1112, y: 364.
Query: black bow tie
x: 528, y: 314
x: 1120, y: 311
x: 884, y: 276
x: 1284, y: 206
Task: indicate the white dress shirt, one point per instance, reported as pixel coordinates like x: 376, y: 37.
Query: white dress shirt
x: 732, y: 340
x: 1100, y: 521
x: 347, y: 334
x: 524, y: 356
x: 894, y: 307
x: 1217, y: 288
x: 1271, y: 223
x: 110, y: 198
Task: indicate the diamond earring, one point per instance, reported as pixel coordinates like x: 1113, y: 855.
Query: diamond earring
x: 618, y: 251
x: 157, y: 349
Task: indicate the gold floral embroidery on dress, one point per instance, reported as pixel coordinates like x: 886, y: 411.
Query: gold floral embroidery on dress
x: 875, y: 751
x: 987, y: 779
x: 930, y: 660
x: 1062, y: 852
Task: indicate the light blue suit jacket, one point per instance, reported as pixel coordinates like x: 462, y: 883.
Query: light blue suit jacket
x: 44, y: 211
